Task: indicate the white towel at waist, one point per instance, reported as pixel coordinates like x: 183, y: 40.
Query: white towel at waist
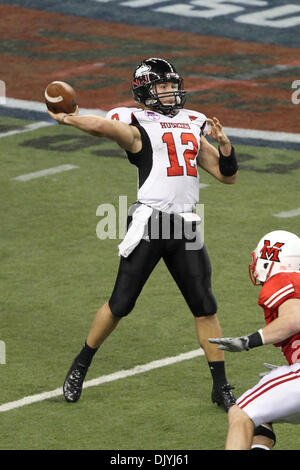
x: 136, y: 230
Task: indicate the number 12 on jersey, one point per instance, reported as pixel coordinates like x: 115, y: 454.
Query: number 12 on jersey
x: 190, y: 154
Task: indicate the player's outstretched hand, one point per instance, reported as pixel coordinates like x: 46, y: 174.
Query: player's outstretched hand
x: 216, y: 131
x: 59, y: 117
x: 232, y: 344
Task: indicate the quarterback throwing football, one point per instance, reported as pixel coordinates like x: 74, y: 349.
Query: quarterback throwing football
x: 276, y: 398
x: 166, y: 143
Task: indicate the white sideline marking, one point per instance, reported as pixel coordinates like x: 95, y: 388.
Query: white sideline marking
x: 41, y: 107
x: 231, y: 132
x: 48, y: 171
x: 122, y: 374
x: 30, y: 127
x: 264, y: 135
x: 287, y: 214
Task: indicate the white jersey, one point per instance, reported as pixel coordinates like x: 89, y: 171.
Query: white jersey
x: 168, y: 178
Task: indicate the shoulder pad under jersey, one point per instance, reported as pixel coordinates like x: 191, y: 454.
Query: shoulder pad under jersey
x: 277, y: 290
x: 122, y: 114
x: 197, y: 118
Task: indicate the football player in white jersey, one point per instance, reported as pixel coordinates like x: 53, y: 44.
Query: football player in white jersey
x: 166, y: 143
x: 276, y: 398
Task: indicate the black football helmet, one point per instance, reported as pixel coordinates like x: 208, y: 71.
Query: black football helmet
x: 150, y: 72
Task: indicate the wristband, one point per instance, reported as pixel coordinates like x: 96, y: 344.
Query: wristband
x: 228, y: 165
x: 255, y: 339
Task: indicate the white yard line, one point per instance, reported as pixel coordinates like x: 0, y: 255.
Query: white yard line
x: 47, y: 172
x: 122, y: 374
x: 288, y: 214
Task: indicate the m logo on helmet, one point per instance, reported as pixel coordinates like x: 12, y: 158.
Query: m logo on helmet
x: 271, y: 253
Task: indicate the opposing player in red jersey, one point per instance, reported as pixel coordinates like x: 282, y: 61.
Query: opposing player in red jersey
x: 276, y: 398
x: 165, y: 142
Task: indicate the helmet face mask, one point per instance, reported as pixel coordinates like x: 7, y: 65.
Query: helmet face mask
x: 276, y: 252
x: 147, y: 76
x: 252, y: 270
x: 259, y: 271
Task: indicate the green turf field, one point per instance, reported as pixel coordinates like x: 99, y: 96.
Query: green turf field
x: 55, y: 273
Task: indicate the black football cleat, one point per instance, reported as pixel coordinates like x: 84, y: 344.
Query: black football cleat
x: 73, y: 384
x: 223, y: 396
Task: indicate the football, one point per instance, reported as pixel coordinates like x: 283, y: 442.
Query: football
x: 60, y: 97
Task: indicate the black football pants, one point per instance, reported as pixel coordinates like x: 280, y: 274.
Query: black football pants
x: 190, y: 268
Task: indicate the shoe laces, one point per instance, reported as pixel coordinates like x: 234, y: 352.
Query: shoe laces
x: 226, y: 389
x: 76, y: 378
